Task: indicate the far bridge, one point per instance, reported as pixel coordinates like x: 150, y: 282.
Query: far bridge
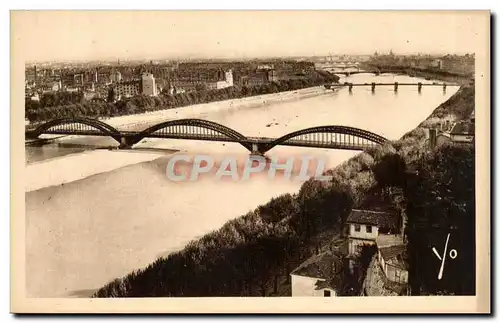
x: 394, y: 85
x: 329, y: 136
x: 362, y: 71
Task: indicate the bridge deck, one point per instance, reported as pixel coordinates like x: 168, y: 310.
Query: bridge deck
x: 392, y: 84
x: 349, y: 145
x: 329, y: 136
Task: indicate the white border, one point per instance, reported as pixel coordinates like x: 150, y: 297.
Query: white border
x: 185, y: 4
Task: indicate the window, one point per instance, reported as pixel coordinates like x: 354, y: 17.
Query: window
x: 369, y: 228
x: 397, y: 275
x: 327, y: 293
x: 357, y: 227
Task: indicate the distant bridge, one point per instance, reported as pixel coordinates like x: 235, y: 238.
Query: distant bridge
x: 361, y: 71
x: 331, y: 137
x: 395, y: 85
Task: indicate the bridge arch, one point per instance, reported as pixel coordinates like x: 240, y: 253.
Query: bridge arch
x: 104, y: 128
x: 356, y: 132
x: 199, y: 123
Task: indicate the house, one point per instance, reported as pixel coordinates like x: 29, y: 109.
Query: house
x: 393, y: 261
x: 320, y: 275
x: 462, y: 132
x: 366, y: 225
x: 392, y: 257
x: 437, y: 63
x: 56, y: 86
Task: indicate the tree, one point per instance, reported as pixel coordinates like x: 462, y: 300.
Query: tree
x: 390, y: 170
x: 278, y: 209
x: 441, y: 201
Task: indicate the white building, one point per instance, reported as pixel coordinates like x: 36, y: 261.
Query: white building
x: 365, y: 226
x: 392, y: 258
x: 228, y: 80
x: 116, y: 77
x: 319, y: 275
x: 57, y: 86
x: 148, y: 84
x: 462, y: 132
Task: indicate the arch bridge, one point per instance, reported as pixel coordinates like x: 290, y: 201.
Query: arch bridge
x: 330, y: 136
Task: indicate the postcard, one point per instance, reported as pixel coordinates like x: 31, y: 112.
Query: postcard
x: 250, y: 162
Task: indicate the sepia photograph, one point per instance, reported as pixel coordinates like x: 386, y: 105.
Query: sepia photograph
x: 250, y: 161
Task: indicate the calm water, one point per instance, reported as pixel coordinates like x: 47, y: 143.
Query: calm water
x: 82, y: 234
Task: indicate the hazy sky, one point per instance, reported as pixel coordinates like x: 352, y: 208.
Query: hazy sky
x: 80, y: 35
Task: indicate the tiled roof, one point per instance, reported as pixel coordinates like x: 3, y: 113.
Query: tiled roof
x: 388, y: 240
x: 463, y: 128
x: 376, y: 218
x: 395, y: 256
x: 332, y: 283
x: 325, y: 265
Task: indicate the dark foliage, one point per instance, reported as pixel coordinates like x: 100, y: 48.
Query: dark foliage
x: 441, y: 201
x: 390, y: 170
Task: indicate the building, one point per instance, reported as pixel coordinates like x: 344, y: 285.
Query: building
x: 148, y: 85
x: 394, y: 263
x: 437, y: 63
x: 462, y: 132
x: 320, y: 275
x: 126, y: 89
x: 227, y: 82
x: 258, y: 77
x: 89, y: 95
x: 366, y: 225
x: 392, y: 258
x: 71, y: 89
x: 78, y: 79
x: 145, y: 86
x: 56, y: 86
x: 116, y: 77
x: 189, y: 81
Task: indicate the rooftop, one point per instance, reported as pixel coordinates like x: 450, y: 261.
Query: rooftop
x: 332, y: 283
x: 463, y: 128
x: 325, y: 265
x: 395, y: 256
x: 381, y: 219
x: 389, y: 240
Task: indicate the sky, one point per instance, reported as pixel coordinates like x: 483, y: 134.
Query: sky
x: 111, y: 35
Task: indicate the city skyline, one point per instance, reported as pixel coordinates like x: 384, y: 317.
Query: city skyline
x: 107, y: 35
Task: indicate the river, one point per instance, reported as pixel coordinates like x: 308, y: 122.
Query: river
x: 93, y: 214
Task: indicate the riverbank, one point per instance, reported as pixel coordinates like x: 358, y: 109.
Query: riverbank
x: 248, y: 255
